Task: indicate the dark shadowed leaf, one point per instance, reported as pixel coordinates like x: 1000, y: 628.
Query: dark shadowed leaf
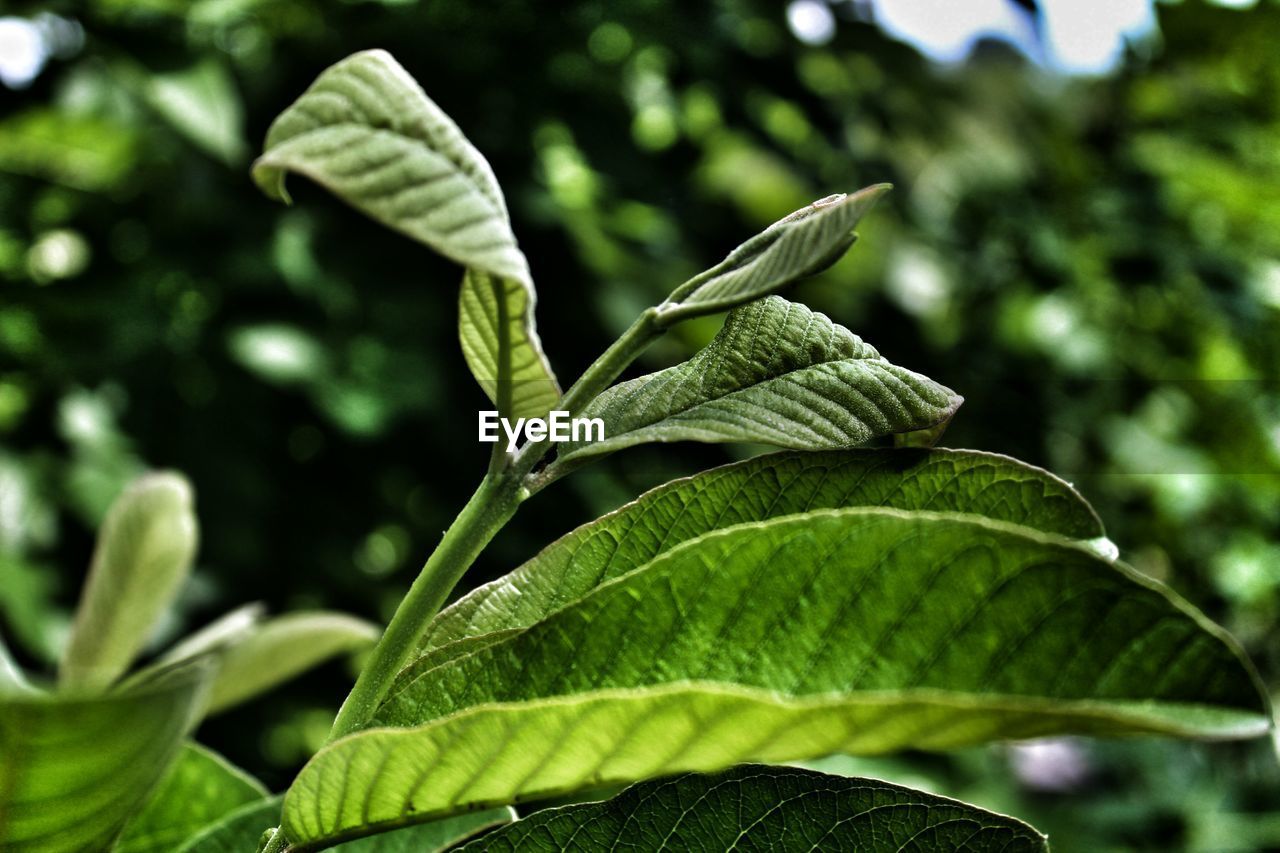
x: 756, y: 807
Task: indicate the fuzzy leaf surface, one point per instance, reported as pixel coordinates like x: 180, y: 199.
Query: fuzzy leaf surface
x: 777, y: 374
x: 855, y: 630
x: 770, y: 486
x: 801, y: 244
x: 754, y: 807
x: 367, y: 132
x: 201, y: 788
x: 74, y: 770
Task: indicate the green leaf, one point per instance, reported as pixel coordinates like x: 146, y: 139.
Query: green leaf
x: 201, y: 788
x: 855, y: 630
x: 495, y: 325
x: 367, y: 132
x: 144, y: 553
x: 766, y: 808
x: 765, y: 487
x: 778, y: 374
x: 801, y: 244
x: 241, y: 830
x: 12, y: 679
x: 76, y: 768
x: 282, y: 648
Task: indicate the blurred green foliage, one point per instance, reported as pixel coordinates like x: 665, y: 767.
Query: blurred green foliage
x: 1093, y: 263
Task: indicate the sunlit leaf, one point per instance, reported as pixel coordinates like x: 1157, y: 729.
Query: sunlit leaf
x: 144, y: 553
x: 201, y: 788
x: 771, y: 486
x: 74, y: 769
x: 855, y: 630
x: 801, y: 244
x: 778, y: 374
x: 766, y: 808
x: 367, y: 132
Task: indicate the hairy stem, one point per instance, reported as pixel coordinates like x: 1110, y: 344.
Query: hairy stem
x: 493, y: 504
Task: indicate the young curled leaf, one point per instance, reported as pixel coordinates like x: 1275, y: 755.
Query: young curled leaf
x: 777, y: 374
x: 367, y: 132
x: 798, y: 245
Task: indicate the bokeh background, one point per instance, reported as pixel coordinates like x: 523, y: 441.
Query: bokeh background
x: 1084, y: 241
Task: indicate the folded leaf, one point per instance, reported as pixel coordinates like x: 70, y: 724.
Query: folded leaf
x: 501, y: 345
x: 143, y: 555
x: 221, y: 633
x: 74, y: 770
x: 801, y: 244
x: 368, y: 133
x: 282, y: 648
x: 771, y: 486
x: 201, y: 788
x: 766, y: 808
x: 778, y: 374
x: 855, y: 630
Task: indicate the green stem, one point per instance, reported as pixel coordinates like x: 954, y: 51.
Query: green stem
x: 493, y: 504
x: 599, y: 376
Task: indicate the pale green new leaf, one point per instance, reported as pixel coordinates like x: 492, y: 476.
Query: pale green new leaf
x: 281, y: 648
x: 755, y: 807
x: 144, y: 553
x: 801, y: 244
x: 855, y: 630
x: 241, y: 831
x: 201, y: 788
x: 201, y: 102
x: 367, y: 132
x: 501, y: 345
x: 765, y: 487
x: 778, y: 374
x: 75, y: 769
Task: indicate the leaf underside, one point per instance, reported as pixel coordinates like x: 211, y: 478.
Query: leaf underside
x: 856, y: 630
x: 367, y: 132
x: 75, y: 769
x: 502, y: 347
x: 770, y: 486
x: 777, y: 373
x: 765, y: 808
x: 801, y: 244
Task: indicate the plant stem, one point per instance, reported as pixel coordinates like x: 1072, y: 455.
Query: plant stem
x: 598, y: 377
x: 493, y: 504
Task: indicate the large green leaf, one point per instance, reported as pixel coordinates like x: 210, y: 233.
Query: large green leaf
x: 801, y: 244
x: 765, y: 487
x: 778, y: 374
x: 75, y: 769
x: 766, y: 808
x: 201, y: 788
x: 367, y: 132
x: 241, y: 830
x: 855, y: 630
x: 144, y: 553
